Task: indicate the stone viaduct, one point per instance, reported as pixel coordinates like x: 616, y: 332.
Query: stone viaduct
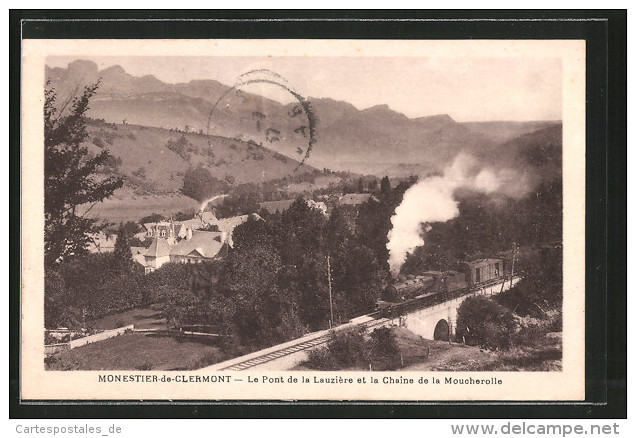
x: 439, y: 321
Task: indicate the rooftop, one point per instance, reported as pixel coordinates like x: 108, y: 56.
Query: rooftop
x: 206, y: 243
x: 356, y: 198
x: 158, y: 248
x: 482, y: 262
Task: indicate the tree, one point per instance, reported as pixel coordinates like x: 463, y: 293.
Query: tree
x: 373, y: 185
x: 385, y: 187
x: 122, y: 256
x: 58, y: 311
x: 199, y: 184
x: 239, y: 202
x: 259, y: 306
x: 372, y: 227
x: 70, y: 177
x: 253, y: 233
x: 337, y: 229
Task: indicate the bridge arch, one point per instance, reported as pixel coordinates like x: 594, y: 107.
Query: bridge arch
x: 442, y: 331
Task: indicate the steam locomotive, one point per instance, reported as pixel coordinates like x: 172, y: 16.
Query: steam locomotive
x: 434, y: 287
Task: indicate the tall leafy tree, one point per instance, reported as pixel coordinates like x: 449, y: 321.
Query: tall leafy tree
x: 385, y: 187
x: 258, y: 304
x: 199, y: 184
x: 360, y: 186
x: 337, y: 230
x: 122, y: 256
x: 70, y: 176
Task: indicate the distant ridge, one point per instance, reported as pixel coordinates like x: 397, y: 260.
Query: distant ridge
x: 362, y: 138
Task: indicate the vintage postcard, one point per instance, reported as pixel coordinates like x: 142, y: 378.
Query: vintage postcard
x: 303, y: 220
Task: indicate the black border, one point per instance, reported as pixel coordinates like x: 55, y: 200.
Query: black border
x: 605, y: 32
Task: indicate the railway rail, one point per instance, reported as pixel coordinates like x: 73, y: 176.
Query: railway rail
x: 296, y: 348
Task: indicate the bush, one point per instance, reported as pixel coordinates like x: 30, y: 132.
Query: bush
x: 352, y: 348
x: 385, y: 352
x: 345, y: 348
x: 181, y: 147
x: 321, y: 359
x: 140, y: 173
x: 481, y: 321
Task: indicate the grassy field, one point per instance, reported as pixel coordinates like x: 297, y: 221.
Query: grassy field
x: 124, y: 205
x: 137, y: 351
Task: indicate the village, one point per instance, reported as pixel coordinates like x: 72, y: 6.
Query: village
x: 204, y: 237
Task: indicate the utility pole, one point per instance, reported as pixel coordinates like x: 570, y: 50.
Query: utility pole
x: 330, y: 299
x: 512, y: 270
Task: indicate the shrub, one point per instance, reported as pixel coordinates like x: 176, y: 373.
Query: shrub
x: 181, y: 147
x: 352, y: 348
x: 140, y: 173
x: 385, y: 352
x: 345, y: 349
x: 321, y: 359
x: 50, y: 360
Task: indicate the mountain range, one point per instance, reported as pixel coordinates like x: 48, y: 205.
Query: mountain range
x: 375, y: 140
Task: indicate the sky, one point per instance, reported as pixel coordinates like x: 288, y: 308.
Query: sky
x: 467, y: 89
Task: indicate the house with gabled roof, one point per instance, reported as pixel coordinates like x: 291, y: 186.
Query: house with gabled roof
x: 198, y: 247
x: 157, y: 254
x: 184, y: 242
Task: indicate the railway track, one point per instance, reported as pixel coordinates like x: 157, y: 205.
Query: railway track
x: 376, y: 318
x: 301, y: 346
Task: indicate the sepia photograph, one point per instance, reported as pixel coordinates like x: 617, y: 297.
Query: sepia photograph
x: 303, y: 219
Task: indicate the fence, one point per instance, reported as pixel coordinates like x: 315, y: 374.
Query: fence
x: 106, y: 334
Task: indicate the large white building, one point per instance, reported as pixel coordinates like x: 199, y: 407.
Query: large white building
x: 193, y: 241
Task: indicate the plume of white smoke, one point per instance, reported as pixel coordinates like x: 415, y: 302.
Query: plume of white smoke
x: 432, y: 200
